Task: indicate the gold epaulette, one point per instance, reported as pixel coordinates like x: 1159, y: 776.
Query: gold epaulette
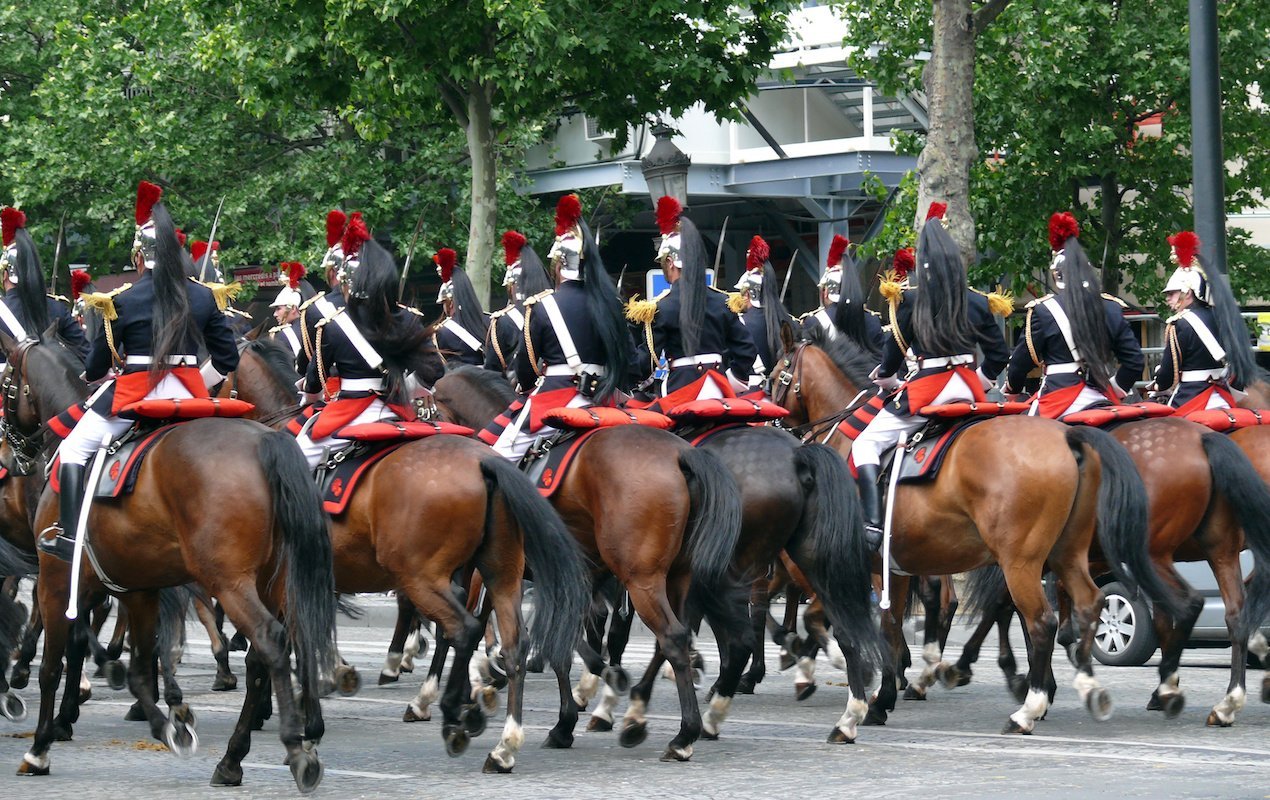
x: 1174, y: 318
x: 104, y: 302
x: 279, y: 328
x: 322, y: 322
x: 1038, y: 301
x: 309, y: 302
x: 529, y: 301
x: 1115, y: 300
x: 60, y: 298
x: 891, y: 288
x: 643, y: 311
x: 411, y: 309
x: 1000, y: 302
x: 736, y: 302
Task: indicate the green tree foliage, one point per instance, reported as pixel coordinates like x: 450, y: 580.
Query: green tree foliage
x: 1061, y: 90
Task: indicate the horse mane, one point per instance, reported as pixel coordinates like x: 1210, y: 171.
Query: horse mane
x: 277, y: 357
x: 64, y: 393
x: 849, y: 357
x: 487, y: 381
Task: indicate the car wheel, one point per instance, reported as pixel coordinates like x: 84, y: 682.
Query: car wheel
x: 1125, y: 636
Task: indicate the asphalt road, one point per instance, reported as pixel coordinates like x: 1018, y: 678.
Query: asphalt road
x: 948, y: 746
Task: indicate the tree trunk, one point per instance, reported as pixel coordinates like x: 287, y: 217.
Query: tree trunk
x: 482, y: 233
x: 1112, y: 233
x: 944, y: 165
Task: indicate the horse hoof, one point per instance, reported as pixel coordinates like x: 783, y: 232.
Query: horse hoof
x: 20, y: 678
x: 677, y: 754
x: 135, y: 713
x: 456, y: 741
x: 787, y: 660
x: 492, y: 767
x: 1215, y: 721
x: 307, y: 770
x: 347, y: 681
x: 617, y: 679
x: 1014, y: 728
x: 385, y: 678
x: 180, y: 738
x: 472, y: 718
x: 238, y: 642
x: 28, y: 770
x: 709, y: 735
x: 913, y: 693
x: 85, y: 694
x: 876, y: 716
x: 803, y: 690
x: 599, y: 724
x: 836, y: 736
x: 225, y: 775
x: 13, y: 708
x: 225, y: 683
x: 116, y: 675
x: 63, y: 732
x: 1173, y: 705
x: 746, y: 685
x: 1018, y: 687
x: 633, y: 735
x: 411, y: 716
x: 1099, y: 705
x: 535, y: 664
x: 558, y: 741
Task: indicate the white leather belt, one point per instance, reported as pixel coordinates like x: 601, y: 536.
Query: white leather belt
x: 693, y: 361
x: 1190, y: 375
x: 176, y: 361
x: 1062, y: 369
x: 566, y: 371
x: 944, y: 361
x: 361, y: 384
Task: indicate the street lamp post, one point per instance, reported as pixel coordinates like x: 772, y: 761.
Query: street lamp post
x: 665, y: 167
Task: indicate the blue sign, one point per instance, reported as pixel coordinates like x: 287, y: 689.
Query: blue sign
x: 655, y: 282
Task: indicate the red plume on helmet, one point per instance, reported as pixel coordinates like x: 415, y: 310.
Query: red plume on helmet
x: 936, y: 211
x: 181, y: 237
x: 79, y: 282
x: 1063, y: 226
x: 668, y: 213
x: 355, y: 235
x: 568, y: 212
x: 904, y: 261
x: 758, y: 254
x: 198, y: 249
x: 147, y: 195
x: 445, y: 260
x: 336, y: 221
x: 295, y: 271
x: 11, y: 220
x: 1185, y: 245
x: 513, y: 241
x: 836, y: 250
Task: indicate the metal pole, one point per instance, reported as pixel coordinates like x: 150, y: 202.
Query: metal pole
x: 1208, y: 168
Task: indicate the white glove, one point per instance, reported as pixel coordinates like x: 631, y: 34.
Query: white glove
x: 309, y: 398
x: 983, y: 379
x: 737, y: 386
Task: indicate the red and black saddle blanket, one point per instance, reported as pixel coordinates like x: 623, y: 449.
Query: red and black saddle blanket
x: 123, y: 461
x: 1102, y: 416
x: 396, y: 430
x: 924, y: 453
x: 342, y: 479
x: 1225, y: 420
x: 550, y: 460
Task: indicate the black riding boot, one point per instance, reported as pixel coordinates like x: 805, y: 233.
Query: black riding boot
x: 870, y: 503
x: 71, y: 497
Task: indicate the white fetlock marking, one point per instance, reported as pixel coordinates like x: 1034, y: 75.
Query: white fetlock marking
x: 1169, y: 687
x: 1258, y: 645
x: 587, y: 686
x: 1084, y: 683
x: 716, y: 714
x: 635, y: 712
x: 509, y: 745
x: 84, y: 684
x: 608, y: 702
x: 849, y: 722
x: 684, y: 753
x: 805, y: 670
x: 1034, y: 708
x: 836, y: 656
x: 428, y: 694
x: 931, y: 653
x: 1230, y: 705
x: 668, y: 672
x: 392, y: 665
x: 478, y: 674
x: 39, y: 762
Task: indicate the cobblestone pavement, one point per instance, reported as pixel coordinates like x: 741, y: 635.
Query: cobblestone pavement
x: 772, y: 746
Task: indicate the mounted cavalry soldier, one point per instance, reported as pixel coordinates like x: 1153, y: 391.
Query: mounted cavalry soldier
x: 524, y: 278
x: 577, y: 350
x: 324, y: 306
x: 937, y: 325
x: 460, y: 336
x: 372, y: 342
x: 27, y: 310
x: 842, y: 309
x: 1207, y: 360
x: 153, y: 331
x: 1074, y: 336
x: 709, y: 351
x: 286, y: 307
x: 758, y: 304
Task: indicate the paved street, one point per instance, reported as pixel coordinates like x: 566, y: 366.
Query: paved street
x: 947, y: 746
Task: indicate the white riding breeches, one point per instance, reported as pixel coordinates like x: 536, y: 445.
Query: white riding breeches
x: 515, y: 440
x: 314, y: 449
x: 884, y: 431
x: 86, y: 438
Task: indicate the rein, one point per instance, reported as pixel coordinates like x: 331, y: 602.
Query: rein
x: 27, y: 448
x: 789, y: 379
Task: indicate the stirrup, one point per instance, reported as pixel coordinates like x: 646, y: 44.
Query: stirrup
x: 59, y: 546
x: 873, y: 537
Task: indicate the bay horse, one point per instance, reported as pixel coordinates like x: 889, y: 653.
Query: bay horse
x: 992, y: 501
x: 436, y: 508
x: 659, y: 515
x: 226, y: 503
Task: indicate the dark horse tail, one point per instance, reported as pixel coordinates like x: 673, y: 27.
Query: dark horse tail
x: 15, y: 563
x: 305, y: 545
x: 713, y: 530
x: 562, y: 581
x: 1244, y: 489
x: 1123, y: 533
x: 840, y: 567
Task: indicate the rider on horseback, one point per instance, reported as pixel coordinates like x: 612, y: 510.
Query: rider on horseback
x: 710, y: 353
x: 153, y: 332
x: 320, y: 307
x: 577, y: 350
x: 1207, y: 359
x: 459, y: 336
x: 1074, y: 335
x: 842, y: 302
x: 286, y: 307
x: 373, y: 342
x: 938, y: 324
x: 27, y: 310
x: 758, y: 303
x: 525, y: 277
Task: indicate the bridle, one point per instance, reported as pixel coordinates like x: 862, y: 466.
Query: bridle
x: 790, y: 379
x: 27, y: 448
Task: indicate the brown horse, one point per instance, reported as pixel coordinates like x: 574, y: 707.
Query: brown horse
x: 993, y: 502
x: 658, y: 514
x: 266, y: 555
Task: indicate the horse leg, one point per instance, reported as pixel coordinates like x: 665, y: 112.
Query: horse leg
x: 615, y: 678
x: 785, y: 635
x: 21, y: 675
x: 503, y: 593
x: 225, y: 679
x: 560, y: 737
x: 436, y: 599
x: 948, y: 609
x: 115, y: 672
x: 430, y: 690
x: 759, y: 604
x: 229, y: 770
x: 805, y: 666
x: 52, y: 598
x: 893, y: 630
x: 143, y: 618
x: 1024, y: 582
x: 1230, y: 582
x: 1085, y: 605
x: 1172, y: 635
x: 407, y: 619
x: 929, y: 590
x: 960, y: 673
x: 734, y: 654
x: 590, y: 648
x: 673, y: 641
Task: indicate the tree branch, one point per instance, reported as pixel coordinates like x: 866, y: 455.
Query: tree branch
x: 454, y: 100
x: 984, y: 16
